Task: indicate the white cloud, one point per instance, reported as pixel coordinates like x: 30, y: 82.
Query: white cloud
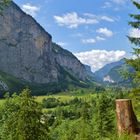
x: 98, y: 38
x: 107, y: 5
x: 72, y: 20
x: 30, y: 9
x: 106, y: 18
x: 89, y: 41
x: 134, y: 33
x: 62, y: 44
x: 90, y: 15
x: 93, y: 40
x: 119, y: 1
x: 100, y: 17
x: 98, y: 58
x: 105, y: 31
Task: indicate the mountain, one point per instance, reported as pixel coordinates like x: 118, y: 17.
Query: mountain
x: 113, y: 73
x: 101, y: 73
x: 88, y: 69
x: 29, y: 57
x: 69, y: 62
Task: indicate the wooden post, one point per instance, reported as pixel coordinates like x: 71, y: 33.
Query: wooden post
x: 126, y: 119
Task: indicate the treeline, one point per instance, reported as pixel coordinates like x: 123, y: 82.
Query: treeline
x: 22, y: 118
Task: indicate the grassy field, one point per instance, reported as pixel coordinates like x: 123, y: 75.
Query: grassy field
x: 65, y: 97
x: 62, y: 98
x: 1, y: 102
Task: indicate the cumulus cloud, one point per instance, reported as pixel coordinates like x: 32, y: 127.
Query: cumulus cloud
x: 134, y: 33
x: 105, y: 31
x: 106, y: 18
x: 92, y: 40
x: 98, y: 38
x: 73, y: 20
x: 30, y: 9
x: 100, y: 17
x: 89, y: 41
x: 98, y: 58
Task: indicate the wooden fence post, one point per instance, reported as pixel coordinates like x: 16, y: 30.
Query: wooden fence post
x: 126, y: 119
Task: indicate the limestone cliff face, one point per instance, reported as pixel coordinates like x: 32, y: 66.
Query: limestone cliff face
x: 26, y: 50
x: 67, y: 60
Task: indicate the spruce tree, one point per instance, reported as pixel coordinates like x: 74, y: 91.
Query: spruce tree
x: 103, y: 117
x: 135, y: 63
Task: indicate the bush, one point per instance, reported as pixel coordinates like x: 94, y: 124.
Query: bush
x: 50, y: 102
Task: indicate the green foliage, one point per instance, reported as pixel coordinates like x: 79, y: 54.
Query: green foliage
x: 72, y: 130
x: 21, y: 119
x: 50, y: 102
x: 103, y: 117
x: 4, y: 3
x: 135, y: 63
x: 84, y: 117
x: 123, y: 137
x: 57, y: 49
x: 16, y: 85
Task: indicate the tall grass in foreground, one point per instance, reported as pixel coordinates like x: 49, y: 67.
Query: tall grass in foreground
x: 123, y: 137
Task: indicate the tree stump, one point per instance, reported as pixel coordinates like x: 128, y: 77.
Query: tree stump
x: 126, y: 119
x: 137, y: 137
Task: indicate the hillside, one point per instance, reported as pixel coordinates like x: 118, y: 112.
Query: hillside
x: 28, y: 54
x: 113, y: 74
x: 104, y: 71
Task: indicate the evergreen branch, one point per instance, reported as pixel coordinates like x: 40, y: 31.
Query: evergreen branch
x: 135, y: 24
x: 136, y: 51
x: 134, y: 40
x: 137, y: 4
x: 135, y: 16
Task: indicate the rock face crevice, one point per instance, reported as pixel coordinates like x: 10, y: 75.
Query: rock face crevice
x: 26, y: 50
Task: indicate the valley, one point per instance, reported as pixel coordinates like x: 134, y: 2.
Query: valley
x: 48, y: 92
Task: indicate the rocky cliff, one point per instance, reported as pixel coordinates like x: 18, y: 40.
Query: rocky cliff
x: 27, y: 51
x: 69, y: 62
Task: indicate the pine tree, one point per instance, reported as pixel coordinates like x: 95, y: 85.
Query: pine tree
x: 103, y: 117
x: 21, y: 119
x: 135, y: 63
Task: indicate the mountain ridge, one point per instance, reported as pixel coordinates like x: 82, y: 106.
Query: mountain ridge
x: 28, y: 53
x: 113, y: 74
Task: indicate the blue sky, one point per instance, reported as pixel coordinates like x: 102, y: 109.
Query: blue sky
x: 94, y: 30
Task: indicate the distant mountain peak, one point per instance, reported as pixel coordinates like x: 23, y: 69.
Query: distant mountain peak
x: 112, y: 73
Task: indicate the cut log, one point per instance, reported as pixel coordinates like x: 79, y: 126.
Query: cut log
x: 126, y: 119
x: 137, y: 137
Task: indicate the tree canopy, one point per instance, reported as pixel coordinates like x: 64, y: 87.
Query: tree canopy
x: 135, y: 62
